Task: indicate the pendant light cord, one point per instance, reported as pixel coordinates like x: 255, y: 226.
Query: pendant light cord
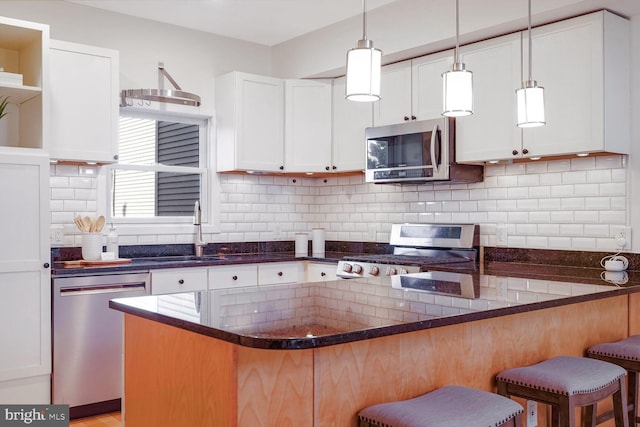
x: 457, y: 33
x: 530, y: 52
x: 364, y: 19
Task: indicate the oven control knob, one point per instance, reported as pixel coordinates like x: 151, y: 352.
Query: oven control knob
x: 391, y: 271
x: 357, y: 268
x: 403, y: 271
x: 346, y: 268
x: 374, y: 271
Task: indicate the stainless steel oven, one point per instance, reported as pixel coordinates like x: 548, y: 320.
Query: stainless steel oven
x: 87, y: 340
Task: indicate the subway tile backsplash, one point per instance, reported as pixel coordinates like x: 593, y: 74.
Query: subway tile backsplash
x: 572, y: 204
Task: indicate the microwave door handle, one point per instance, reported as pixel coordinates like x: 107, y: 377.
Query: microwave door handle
x: 434, y: 133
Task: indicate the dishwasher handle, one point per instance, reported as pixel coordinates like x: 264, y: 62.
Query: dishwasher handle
x: 105, y: 289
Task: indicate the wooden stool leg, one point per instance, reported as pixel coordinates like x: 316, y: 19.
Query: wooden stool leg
x: 632, y: 399
x: 620, y: 405
x: 590, y: 415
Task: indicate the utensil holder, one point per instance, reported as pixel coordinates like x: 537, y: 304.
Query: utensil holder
x: 317, y: 242
x: 302, y: 245
x: 91, y: 246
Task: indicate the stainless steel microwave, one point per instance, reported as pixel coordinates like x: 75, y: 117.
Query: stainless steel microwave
x: 416, y: 152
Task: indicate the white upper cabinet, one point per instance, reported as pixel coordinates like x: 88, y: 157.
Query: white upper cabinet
x: 307, y: 126
x: 349, y: 122
x: 583, y: 64
x: 24, y: 49
x: 426, y: 87
x: 84, y: 103
x: 250, y: 122
x: 395, y: 91
x: 491, y: 131
x: 412, y: 90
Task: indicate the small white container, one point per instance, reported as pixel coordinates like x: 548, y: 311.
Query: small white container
x: 302, y: 245
x: 112, y: 242
x: 91, y: 246
x: 317, y: 242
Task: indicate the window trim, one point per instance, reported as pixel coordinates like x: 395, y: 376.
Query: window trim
x: 204, y: 123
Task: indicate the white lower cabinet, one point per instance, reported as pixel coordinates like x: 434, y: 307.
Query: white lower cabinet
x: 172, y: 280
x: 279, y: 273
x: 25, y: 279
x: 233, y: 276
x: 320, y: 272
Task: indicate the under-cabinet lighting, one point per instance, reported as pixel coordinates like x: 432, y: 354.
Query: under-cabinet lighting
x: 535, y: 158
x: 582, y: 154
x: 363, y: 67
x: 493, y: 162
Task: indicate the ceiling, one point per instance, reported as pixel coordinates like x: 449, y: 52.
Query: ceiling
x: 267, y: 22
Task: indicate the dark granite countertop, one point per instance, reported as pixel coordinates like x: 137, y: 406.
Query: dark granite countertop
x: 300, y: 316
x: 183, y: 261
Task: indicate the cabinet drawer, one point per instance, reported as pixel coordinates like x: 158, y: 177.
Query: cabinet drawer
x: 233, y: 276
x: 178, y: 280
x: 281, y: 272
x: 321, y: 272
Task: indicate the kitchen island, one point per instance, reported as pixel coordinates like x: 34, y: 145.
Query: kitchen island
x: 314, y: 354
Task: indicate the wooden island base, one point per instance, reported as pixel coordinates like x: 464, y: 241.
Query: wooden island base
x: 175, y: 377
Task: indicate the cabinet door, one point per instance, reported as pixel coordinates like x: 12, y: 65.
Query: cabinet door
x: 426, y: 90
x: 395, y: 91
x: 175, y: 280
x: 307, y: 126
x: 349, y: 122
x: 491, y: 133
x: 84, y: 103
x: 233, y: 276
x: 25, y: 281
x: 250, y: 122
x: 320, y: 272
x: 568, y: 63
x: 279, y: 273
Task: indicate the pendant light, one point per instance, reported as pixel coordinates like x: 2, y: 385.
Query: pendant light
x: 530, y: 98
x: 363, y: 67
x: 457, y: 85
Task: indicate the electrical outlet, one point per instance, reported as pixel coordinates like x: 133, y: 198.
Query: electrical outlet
x: 56, y: 235
x: 501, y: 235
x: 532, y: 413
x: 622, y: 237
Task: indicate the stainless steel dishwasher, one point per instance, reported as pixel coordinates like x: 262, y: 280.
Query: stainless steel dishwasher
x: 88, y: 338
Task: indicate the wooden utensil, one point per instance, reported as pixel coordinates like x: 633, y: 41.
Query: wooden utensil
x: 99, y: 224
x: 88, y: 224
x: 79, y: 223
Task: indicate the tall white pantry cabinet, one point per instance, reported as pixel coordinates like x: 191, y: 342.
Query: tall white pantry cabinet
x: 25, y: 273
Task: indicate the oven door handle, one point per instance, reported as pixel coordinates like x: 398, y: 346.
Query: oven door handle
x: 91, y: 290
x: 434, y: 161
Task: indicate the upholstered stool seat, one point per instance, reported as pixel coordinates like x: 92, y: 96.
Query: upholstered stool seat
x: 450, y: 406
x: 624, y: 353
x: 567, y: 382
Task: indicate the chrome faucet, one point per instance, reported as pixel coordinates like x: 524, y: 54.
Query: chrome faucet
x: 197, y: 221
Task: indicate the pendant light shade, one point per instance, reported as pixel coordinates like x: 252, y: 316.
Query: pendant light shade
x: 457, y: 86
x: 530, y: 98
x: 363, y: 68
x: 530, y: 101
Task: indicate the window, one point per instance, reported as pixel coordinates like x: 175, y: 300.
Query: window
x: 161, y: 170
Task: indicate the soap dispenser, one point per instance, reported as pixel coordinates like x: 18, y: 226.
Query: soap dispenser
x: 112, y: 242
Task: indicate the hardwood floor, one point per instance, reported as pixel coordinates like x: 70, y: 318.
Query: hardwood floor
x: 112, y: 419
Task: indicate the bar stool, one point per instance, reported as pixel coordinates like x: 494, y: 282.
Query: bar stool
x: 445, y: 407
x: 624, y: 353
x: 567, y: 382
